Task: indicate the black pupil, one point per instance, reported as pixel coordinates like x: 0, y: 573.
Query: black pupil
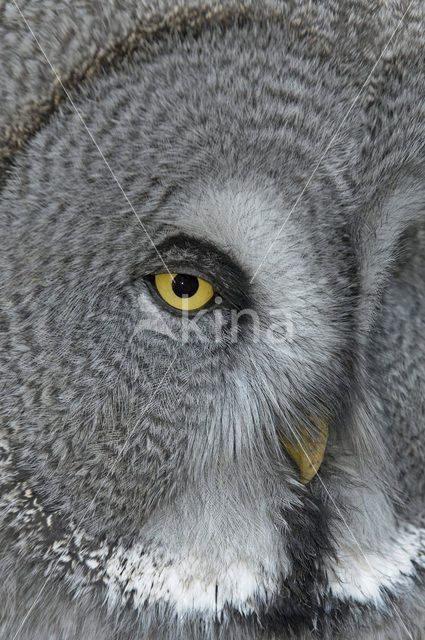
x: 185, y: 285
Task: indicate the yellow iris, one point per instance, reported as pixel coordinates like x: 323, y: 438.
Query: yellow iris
x: 183, y: 291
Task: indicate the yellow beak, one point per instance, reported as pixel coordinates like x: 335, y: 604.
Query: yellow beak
x: 309, y: 452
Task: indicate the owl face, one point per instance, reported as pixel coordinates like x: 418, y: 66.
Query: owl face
x: 182, y: 299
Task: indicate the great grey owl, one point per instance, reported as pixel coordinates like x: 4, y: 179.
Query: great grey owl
x: 212, y: 284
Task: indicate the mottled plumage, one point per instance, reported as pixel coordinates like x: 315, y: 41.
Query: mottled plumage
x: 276, y: 151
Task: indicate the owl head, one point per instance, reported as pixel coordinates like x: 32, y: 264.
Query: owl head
x: 197, y: 236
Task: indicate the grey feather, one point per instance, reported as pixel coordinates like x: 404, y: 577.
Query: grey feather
x: 145, y: 492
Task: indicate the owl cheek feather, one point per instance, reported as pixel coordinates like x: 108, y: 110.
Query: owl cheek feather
x: 381, y: 231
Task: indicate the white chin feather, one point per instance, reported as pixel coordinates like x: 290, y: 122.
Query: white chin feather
x: 186, y: 584
x: 362, y: 575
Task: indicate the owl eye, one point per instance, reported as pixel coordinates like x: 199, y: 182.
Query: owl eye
x: 183, y: 291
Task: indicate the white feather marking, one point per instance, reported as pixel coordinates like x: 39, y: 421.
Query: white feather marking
x: 362, y: 576
x: 183, y: 583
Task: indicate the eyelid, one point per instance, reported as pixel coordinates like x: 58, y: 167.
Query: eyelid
x: 198, y: 257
